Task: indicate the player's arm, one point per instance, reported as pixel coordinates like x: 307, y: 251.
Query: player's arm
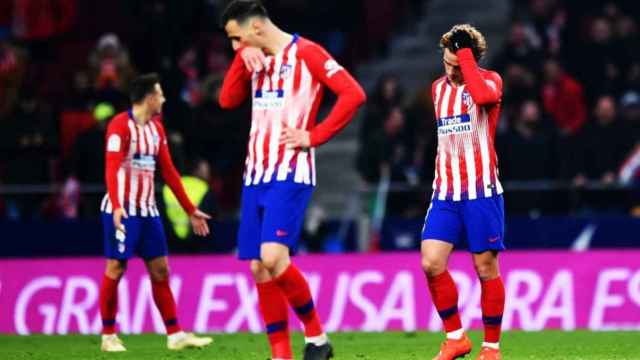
x: 117, y: 140
x: 349, y: 93
x: 235, y: 87
x: 172, y: 179
x: 483, y: 90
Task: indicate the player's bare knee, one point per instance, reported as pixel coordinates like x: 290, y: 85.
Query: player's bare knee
x: 159, y: 273
x: 116, y: 269
x: 432, y: 266
x: 270, y: 262
x: 486, y: 269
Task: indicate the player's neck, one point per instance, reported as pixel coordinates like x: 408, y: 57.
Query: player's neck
x: 276, y: 40
x: 140, y: 114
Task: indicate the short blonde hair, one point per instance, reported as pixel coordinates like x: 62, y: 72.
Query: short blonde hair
x: 479, y: 43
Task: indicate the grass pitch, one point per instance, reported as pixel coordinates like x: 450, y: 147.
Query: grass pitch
x: 516, y: 345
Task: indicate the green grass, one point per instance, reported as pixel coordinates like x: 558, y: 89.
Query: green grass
x: 547, y: 345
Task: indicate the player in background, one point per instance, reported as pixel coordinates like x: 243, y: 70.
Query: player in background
x: 467, y: 204
x: 136, y: 140
x: 285, y: 75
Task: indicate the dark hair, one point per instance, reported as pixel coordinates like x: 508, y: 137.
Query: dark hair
x: 242, y: 10
x: 142, y: 86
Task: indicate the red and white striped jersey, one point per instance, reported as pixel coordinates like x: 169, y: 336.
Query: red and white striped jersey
x: 131, y: 154
x: 288, y: 92
x: 467, y: 115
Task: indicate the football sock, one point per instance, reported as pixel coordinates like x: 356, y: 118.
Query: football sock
x: 491, y: 345
x: 108, y: 304
x: 445, y: 298
x: 163, y: 298
x: 274, y: 310
x: 492, y: 303
x: 296, y: 289
x: 455, y: 335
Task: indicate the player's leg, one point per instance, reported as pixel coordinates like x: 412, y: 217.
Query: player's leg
x: 442, y: 230
x: 285, y: 205
x: 118, y: 248
x: 484, y: 220
x: 109, y: 294
x: 272, y: 303
x: 274, y: 310
x: 153, y: 249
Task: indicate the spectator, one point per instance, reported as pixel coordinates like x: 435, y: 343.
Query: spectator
x: 387, y: 94
x: 526, y: 150
x: 522, y: 48
x: 88, y: 150
x: 387, y: 154
x: 601, y: 151
x: 110, y: 66
x: 12, y: 69
x: 563, y: 98
x: 598, y: 63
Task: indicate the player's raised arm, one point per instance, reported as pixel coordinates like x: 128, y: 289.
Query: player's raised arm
x: 485, y: 88
x: 236, y: 84
x: 335, y: 77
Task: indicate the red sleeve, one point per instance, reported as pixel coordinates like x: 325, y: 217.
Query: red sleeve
x: 117, y: 140
x: 350, y: 94
x: 235, y: 87
x: 485, y: 89
x: 170, y: 174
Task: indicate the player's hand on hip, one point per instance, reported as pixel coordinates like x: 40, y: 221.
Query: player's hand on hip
x: 199, y: 223
x: 118, y: 214
x: 295, y: 138
x: 254, y: 59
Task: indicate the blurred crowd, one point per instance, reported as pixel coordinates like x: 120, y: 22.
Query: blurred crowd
x: 65, y: 67
x: 571, y: 109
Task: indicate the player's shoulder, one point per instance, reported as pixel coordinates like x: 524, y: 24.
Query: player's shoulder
x: 308, y: 48
x: 119, y: 121
x: 158, y: 123
x: 438, y: 81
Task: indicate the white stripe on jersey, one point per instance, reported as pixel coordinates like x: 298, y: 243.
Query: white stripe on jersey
x: 443, y: 147
x: 144, y: 177
x: 313, y: 166
x: 455, y: 160
x: 133, y: 190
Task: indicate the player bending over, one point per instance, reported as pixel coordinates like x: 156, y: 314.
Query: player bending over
x: 467, y: 204
x: 285, y: 75
x: 136, y: 140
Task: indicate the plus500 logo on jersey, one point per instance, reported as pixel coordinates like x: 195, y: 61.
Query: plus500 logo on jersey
x: 143, y: 162
x: 457, y: 124
x: 265, y: 100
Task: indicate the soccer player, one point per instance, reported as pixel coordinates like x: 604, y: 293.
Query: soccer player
x: 467, y: 203
x: 136, y: 140
x: 285, y: 75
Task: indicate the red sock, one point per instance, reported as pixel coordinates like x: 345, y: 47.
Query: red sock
x: 163, y: 298
x: 445, y: 298
x: 492, y: 303
x: 108, y: 304
x: 273, y: 306
x: 296, y: 289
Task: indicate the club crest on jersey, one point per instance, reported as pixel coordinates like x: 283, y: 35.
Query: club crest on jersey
x: 466, y: 98
x: 285, y: 71
x: 457, y: 124
x: 156, y: 139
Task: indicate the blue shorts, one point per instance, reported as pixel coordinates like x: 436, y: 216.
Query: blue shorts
x: 480, y: 222
x: 144, y: 236
x: 271, y: 213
